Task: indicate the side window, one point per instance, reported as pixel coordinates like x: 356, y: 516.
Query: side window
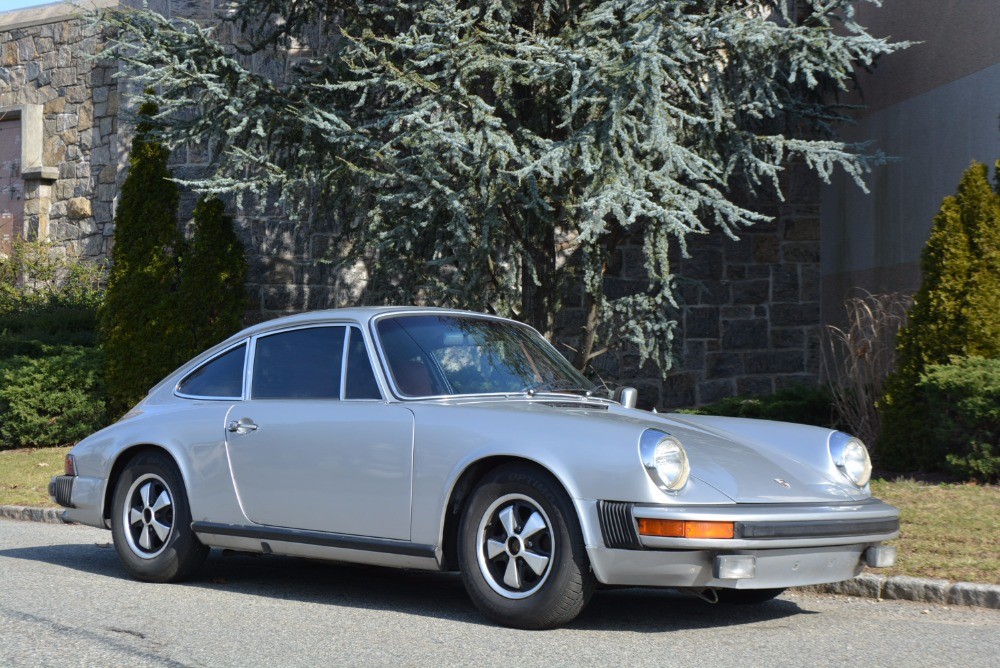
x: 360, y: 383
x: 299, y: 364
x: 221, y: 377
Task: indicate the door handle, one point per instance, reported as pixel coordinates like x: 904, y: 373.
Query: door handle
x: 244, y: 425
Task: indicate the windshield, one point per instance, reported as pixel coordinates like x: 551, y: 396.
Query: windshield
x: 441, y: 355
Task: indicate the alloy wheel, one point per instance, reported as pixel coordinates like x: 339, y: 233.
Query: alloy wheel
x: 148, y: 516
x: 516, y: 547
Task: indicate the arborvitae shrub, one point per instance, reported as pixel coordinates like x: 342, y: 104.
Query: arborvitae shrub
x: 212, y: 298
x: 138, y: 311
x: 955, y: 313
x: 165, y: 301
x: 963, y: 403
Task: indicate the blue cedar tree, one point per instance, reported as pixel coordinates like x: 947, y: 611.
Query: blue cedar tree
x: 493, y: 154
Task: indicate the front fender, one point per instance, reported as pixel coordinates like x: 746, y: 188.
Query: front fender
x: 592, y: 459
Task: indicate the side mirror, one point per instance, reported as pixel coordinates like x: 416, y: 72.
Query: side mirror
x: 627, y: 396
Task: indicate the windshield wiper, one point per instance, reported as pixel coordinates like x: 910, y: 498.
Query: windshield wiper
x: 556, y: 386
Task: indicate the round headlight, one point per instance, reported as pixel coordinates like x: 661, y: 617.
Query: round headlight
x: 851, y: 457
x: 665, y: 460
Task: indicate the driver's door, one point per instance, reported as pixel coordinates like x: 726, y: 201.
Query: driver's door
x: 316, y: 447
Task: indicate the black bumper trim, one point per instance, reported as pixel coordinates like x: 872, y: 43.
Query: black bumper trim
x: 320, y: 538
x: 617, y: 526
x: 813, y: 529
x: 61, y: 489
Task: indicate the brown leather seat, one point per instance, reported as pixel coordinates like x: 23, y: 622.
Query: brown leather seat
x: 413, y: 378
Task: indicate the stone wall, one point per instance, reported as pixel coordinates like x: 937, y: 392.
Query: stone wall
x: 68, y: 104
x: 749, y: 317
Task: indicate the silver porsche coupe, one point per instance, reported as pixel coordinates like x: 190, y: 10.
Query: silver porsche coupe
x: 447, y: 440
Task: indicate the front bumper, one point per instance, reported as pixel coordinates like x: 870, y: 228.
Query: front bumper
x: 788, y: 544
x: 775, y: 569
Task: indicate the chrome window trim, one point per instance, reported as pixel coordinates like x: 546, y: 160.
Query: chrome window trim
x: 246, y: 358
x: 343, y: 362
x: 379, y: 382
x: 248, y: 390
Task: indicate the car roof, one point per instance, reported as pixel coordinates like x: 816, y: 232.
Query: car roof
x: 362, y: 315
x: 359, y: 314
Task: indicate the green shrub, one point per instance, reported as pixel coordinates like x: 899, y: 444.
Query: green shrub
x: 212, y: 298
x: 46, y: 298
x: 36, y: 275
x: 955, y: 313
x: 137, y: 316
x: 53, y: 325
x: 165, y: 301
x: 962, y: 425
x: 51, y: 400
x: 804, y: 405
x: 51, y: 385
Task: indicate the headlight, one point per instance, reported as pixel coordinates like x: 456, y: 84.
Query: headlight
x: 664, y: 459
x: 851, y: 457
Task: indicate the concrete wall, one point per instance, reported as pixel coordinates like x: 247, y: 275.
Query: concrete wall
x: 933, y: 107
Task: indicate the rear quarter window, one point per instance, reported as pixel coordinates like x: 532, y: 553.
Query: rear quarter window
x: 219, y: 378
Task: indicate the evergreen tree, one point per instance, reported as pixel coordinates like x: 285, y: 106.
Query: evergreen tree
x: 955, y: 313
x: 493, y: 154
x: 136, y: 318
x: 212, y: 297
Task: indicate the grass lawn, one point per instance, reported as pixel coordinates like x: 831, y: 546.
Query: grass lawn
x: 25, y: 475
x: 950, y: 532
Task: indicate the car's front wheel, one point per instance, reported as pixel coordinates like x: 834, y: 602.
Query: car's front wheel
x: 151, y: 521
x: 521, y: 551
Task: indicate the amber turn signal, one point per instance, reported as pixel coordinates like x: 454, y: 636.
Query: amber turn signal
x: 682, y: 529
x: 69, y: 465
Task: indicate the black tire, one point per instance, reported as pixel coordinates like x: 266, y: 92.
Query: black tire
x: 550, y: 581
x: 747, y: 596
x: 151, y: 521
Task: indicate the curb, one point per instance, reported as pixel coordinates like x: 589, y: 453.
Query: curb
x: 866, y: 585
x: 50, y: 515
x: 904, y: 588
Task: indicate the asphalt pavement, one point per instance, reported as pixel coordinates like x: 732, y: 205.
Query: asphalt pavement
x: 65, y: 601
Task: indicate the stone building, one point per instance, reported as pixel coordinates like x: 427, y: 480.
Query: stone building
x: 59, y: 153
x: 751, y: 316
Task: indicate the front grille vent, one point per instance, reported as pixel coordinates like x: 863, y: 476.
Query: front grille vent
x: 617, y: 525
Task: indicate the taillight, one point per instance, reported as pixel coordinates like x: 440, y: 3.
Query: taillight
x: 69, y: 467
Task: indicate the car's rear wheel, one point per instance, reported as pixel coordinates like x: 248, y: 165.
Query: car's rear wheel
x: 521, y: 551
x: 747, y: 596
x: 151, y: 521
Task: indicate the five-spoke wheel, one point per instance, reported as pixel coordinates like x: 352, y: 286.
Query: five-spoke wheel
x: 151, y: 521
x: 517, y: 546
x: 148, y: 516
x: 521, y: 550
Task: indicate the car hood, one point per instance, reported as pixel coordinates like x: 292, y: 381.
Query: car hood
x: 749, y: 461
